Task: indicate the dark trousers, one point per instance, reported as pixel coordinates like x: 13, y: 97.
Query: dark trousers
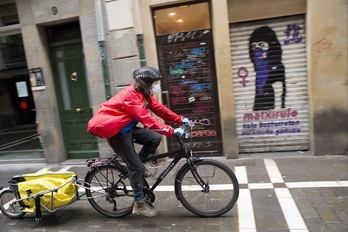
x: 123, y: 145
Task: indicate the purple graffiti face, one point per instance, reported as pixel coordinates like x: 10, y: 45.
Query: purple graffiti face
x: 262, y: 68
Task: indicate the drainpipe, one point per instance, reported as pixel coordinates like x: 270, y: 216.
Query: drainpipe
x: 102, y: 47
x: 140, y: 42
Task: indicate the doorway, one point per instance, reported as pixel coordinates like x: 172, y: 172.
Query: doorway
x: 186, y: 60
x: 19, y: 137
x: 67, y: 60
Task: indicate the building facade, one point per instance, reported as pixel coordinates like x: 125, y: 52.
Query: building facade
x: 253, y: 76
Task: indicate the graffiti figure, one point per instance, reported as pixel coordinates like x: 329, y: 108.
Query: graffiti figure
x: 266, y: 54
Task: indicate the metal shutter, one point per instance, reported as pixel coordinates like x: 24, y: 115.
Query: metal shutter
x: 264, y: 122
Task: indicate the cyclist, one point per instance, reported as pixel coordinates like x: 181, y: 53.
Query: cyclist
x: 117, y: 121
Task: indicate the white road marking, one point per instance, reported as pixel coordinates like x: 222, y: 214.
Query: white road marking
x: 291, y: 213
x: 319, y: 184
x: 246, y: 218
x: 261, y: 186
x: 65, y: 168
x: 273, y: 171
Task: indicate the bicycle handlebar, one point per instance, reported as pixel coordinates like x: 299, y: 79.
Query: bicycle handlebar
x: 187, y: 131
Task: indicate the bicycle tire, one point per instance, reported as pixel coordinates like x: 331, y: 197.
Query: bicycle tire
x: 108, y: 191
x: 221, y: 192
x: 6, y: 197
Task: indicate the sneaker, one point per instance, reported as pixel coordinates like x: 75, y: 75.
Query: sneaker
x: 142, y: 208
x: 147, y: 173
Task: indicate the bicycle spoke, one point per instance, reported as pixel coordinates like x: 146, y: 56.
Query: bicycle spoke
x: 218, y: 193
x: 109, y: 196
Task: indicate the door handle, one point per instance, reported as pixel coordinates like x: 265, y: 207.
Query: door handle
x: 73, y: 76
x: 78, y: 110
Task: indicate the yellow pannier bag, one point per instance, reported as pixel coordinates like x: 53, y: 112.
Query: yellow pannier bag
x: 57, y: 189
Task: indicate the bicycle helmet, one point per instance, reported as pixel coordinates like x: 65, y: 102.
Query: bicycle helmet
x: 145, y: 76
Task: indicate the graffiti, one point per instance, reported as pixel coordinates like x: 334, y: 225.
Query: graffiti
x: 202, y: 144
x: 203, y: 133
x: 202, y: 71
x: 198, y: 128
x: 274, y: 124
x: 257, y: 132
x: 199, y: 87
x: 185, y: 64
x: 176, y: 71
x: 249, y: 125
x: 292, y: 33
x: 197, y: 53
x: 177, y: 90
x: 203, y: 104
x: 205, y: 98
x: 185, y: 67
x: 288, y: 113
x: 204, y: 121
x: 182, y: 36
x: 265, y: 54
x: 243, y: 73
x: 200, y: 110
x: 178, y: 100
x: 187, y: 82
x: 178, y: 51
x: 179, y: 54
x: 322, y: 45
x: 199, y: 93
x: 270, y: 128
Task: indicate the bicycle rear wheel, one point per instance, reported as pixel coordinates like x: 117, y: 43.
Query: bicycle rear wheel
x: 109, y: 192
x: 8, y: 206
x: 218, y: 194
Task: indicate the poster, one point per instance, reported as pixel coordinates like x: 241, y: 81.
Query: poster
x: 37, y: 79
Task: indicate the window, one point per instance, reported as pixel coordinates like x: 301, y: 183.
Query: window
x: 182, y: 18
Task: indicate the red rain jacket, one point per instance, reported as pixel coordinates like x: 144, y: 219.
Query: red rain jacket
x: 127, y: 105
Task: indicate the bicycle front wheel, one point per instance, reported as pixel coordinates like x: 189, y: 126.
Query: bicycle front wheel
x: 9, y: 205
x: 109, y: 192
x: 215, y: 195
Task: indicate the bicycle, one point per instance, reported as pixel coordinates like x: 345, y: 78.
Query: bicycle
x: 206, y: 187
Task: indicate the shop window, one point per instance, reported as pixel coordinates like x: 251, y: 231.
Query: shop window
x: 182, y: 18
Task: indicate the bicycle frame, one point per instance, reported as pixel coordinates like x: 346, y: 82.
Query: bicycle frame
x: 179, y: 154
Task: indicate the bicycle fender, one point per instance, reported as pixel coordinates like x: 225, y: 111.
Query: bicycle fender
x: 179, y: 173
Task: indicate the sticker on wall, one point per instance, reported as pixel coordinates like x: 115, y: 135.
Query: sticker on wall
x: 37, y: 80
x: 270, y: 84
